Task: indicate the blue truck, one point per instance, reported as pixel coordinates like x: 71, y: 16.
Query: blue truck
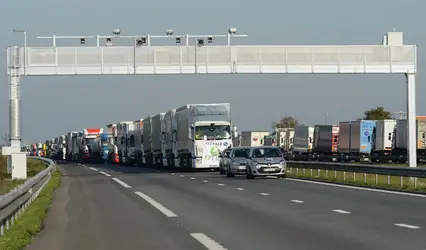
x: 105, y: 146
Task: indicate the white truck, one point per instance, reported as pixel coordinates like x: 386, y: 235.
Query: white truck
x: 147, y: 140
x: 169, y: 138
x: 112, y: 145
x: 253, y: 138
x: 303, y: 140
x: 139, y: 159
x: 124, y: 145
x: 157, y: 140
x: 203, y: 132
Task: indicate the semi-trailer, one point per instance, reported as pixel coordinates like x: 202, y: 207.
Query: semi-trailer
x: 203, y: 132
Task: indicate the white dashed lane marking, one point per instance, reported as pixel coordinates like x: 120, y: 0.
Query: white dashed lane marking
x: 208, y: 242
x: 157, y: 205
x: 221, y: 184
x: 297, y: 201
x: 104, y: 173
x: 94, y: 169
x: 407, y: 226
x: 264, y: 194
x: 121, y: 183
x: 205, y: 181
x: 340, y: 211
x: 240, y: 189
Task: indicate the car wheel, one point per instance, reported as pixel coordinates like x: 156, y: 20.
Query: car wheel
x: 229, y: 173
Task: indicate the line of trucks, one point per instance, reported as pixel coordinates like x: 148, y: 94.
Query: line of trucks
x: 192, y: 136
x: 360, y: 141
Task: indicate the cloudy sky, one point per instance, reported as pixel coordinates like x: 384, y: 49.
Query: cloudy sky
x: 56, y: 105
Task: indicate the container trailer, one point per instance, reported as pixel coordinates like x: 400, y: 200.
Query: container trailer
x: 125, y: 142
x: 400, y: 140
x: 139, y: 159
x: 361, y: 139
x: 203, y: 132
x: 326, y: 141
x: 169, y: 138
x: 147, y: 140
x: 158, y: 149
x: 253, y: 138
x: 383, y: 136
x: 302, y: 142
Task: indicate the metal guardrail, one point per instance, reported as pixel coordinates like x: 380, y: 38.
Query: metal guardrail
x: 16, y: 201
x: 365, y: 169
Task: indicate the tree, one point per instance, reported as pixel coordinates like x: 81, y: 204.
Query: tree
x: 379, y: 113
x: 286, y: 122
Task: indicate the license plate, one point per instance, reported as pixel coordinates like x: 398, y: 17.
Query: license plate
x: 269, y: 169
x: 241, y: 167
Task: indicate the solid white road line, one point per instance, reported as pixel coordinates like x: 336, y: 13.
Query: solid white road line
x: 104, y: 173
x: 340, y: 211
x: 358, y: 188
x: 264, y: 194
x: 240, y: 189
x: 297, y: 201
x: 207, y: 241
x: 94, y: 169
x: 157, y: 205
x: 121, y: 183
x: 407, y: 226
x: 220, y: 184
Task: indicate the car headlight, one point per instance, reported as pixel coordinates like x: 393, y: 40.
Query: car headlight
x: 283, y: 164
x: 236, y: 163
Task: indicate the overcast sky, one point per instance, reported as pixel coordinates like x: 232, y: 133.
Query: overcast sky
x: 52, y: 106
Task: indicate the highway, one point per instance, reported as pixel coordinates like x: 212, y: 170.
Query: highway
x: 117, y: 207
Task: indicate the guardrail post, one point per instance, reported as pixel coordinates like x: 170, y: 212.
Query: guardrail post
x: 365, y: 178
x: 377, y: 179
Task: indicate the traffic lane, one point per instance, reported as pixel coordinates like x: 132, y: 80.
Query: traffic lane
x: 89, y: 211
x: 388, y: 208
x: 247, y: 220
x: 396, y: 208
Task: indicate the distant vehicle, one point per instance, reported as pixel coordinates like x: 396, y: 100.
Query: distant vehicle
x: 265, y: 161
x: 237, y: 161
x: 224, y: 160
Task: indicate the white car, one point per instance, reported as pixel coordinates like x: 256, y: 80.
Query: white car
x: 265, y: 161
x: 237, y: 161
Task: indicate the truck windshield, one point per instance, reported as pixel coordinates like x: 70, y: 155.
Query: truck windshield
x: 215, y: 132
x: 266, y: 152
x: 90, y: 140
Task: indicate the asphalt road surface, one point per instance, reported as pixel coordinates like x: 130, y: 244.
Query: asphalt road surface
x: 116, y: 207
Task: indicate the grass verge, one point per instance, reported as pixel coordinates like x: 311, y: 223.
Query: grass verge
x: 6, y: 183
x: 361, y: 179
x: 31, y: 221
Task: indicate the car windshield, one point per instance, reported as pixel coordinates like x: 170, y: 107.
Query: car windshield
x: 241, y: 152
x: 266, y: 152
x: 215, y: 132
